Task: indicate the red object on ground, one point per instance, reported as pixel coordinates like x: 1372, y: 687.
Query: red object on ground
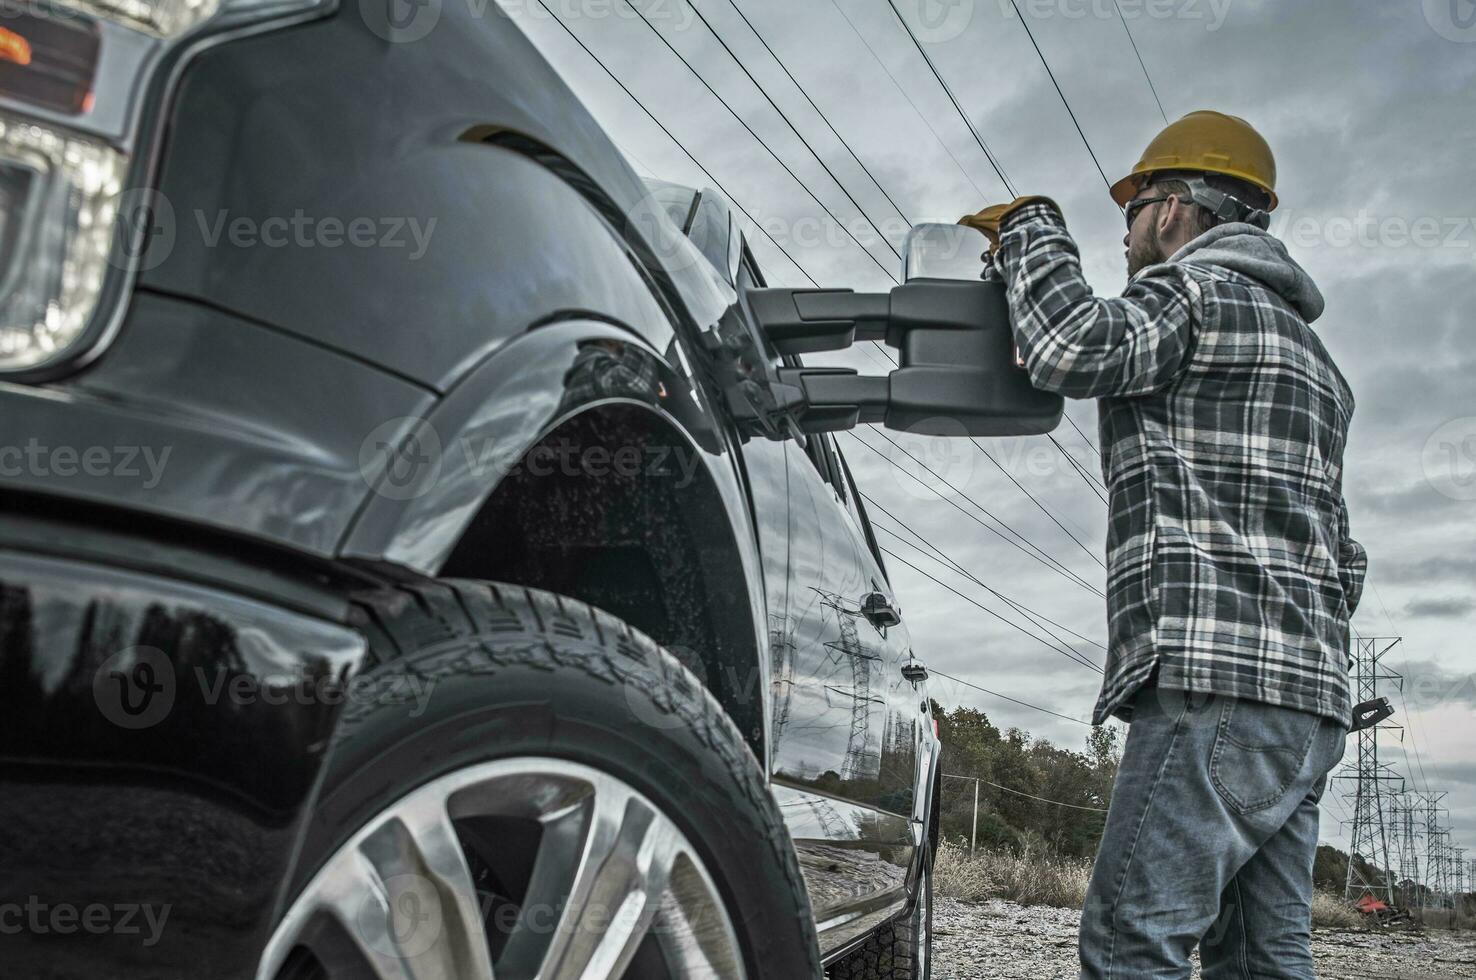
x: 1369, y: 905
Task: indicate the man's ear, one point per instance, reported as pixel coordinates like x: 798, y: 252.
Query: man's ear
x: 1174, y: 216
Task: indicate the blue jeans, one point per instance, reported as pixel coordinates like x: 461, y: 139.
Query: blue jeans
x: 1210, y: 840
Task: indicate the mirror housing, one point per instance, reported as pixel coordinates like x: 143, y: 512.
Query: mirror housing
x: 957, y: 373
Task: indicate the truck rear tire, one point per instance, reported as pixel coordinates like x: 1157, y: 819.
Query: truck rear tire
x: 525, y: 784
x: 900, y: 950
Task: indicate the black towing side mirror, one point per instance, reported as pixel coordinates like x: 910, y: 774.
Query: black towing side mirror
x: 957, y: 373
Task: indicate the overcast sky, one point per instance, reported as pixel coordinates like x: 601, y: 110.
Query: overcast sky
x: 1370, y: 109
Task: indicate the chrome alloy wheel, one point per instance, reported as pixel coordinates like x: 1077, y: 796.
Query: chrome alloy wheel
x: 519, y: 869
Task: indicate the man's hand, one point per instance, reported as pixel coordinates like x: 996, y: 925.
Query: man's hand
x: 989, y: 219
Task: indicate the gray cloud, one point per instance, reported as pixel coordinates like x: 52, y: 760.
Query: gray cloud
x: 1449, y: 606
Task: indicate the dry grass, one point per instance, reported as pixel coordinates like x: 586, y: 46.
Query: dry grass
x: 1030, y: 877
x: 1331, y: 912
x: 1034, y: 877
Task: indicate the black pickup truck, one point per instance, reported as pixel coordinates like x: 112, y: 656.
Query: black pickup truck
x: 423, y: 552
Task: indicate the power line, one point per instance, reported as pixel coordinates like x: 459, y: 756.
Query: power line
x: 1025, y: 545
x: 998, y: 170
x: 823, y: 118
x: 903, y: 92
x: 974, y: 602
x: 1091, y: 445
x: 974, y: 578
x: 671, y: 136
x: 803, y: 186
x: 1092, y: 483
x: 800, y: 136
x: 1069, y: 111
x: 1036, y: 500
x: 1006, y: 697
x: 1049, y: 563
x: 1042, y: 799
x: 1066, y: 650
x: 1148, y: 78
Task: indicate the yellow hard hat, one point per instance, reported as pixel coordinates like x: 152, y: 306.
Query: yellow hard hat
x: 1209, y: 142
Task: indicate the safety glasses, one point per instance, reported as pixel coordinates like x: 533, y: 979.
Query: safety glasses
x: 1133, y: 207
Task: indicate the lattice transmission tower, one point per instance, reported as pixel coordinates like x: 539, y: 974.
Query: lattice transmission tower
x: 1371, y: 779
x: 1437, y: 839
x: 1403, y: 811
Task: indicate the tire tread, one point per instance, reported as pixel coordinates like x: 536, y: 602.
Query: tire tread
x: 505, y: 626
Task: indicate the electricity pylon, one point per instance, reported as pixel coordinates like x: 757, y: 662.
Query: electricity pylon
x: 1402, y: 812
x: 1437, y: 886
x: 856, y: 762
x: 1369, y: 837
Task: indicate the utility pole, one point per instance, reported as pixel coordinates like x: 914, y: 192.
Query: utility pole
x: 974, y: 831
x: 974, y: 828
x: 1369, y: 837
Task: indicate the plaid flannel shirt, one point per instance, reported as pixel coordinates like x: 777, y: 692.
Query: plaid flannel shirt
x: 1222, y: 423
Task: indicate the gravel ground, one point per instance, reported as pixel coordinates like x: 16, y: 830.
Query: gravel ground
x: 996, y: 939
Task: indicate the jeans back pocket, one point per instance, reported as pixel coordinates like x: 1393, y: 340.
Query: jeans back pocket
x: 1259, y: 751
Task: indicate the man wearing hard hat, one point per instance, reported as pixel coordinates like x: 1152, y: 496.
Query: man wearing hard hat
x: 1231, y: 574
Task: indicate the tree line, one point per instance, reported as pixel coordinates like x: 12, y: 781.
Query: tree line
x: 975, y: 747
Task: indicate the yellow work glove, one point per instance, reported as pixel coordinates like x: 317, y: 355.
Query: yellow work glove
x: 989, y: 219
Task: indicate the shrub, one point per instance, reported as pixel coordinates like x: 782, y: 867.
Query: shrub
x: 1332, y: 912
x: 1030, y: 876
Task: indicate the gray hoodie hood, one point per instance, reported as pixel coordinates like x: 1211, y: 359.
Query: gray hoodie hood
x: 1260, y: 255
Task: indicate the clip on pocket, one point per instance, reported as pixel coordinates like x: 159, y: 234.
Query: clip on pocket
x: 1367, y: 714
